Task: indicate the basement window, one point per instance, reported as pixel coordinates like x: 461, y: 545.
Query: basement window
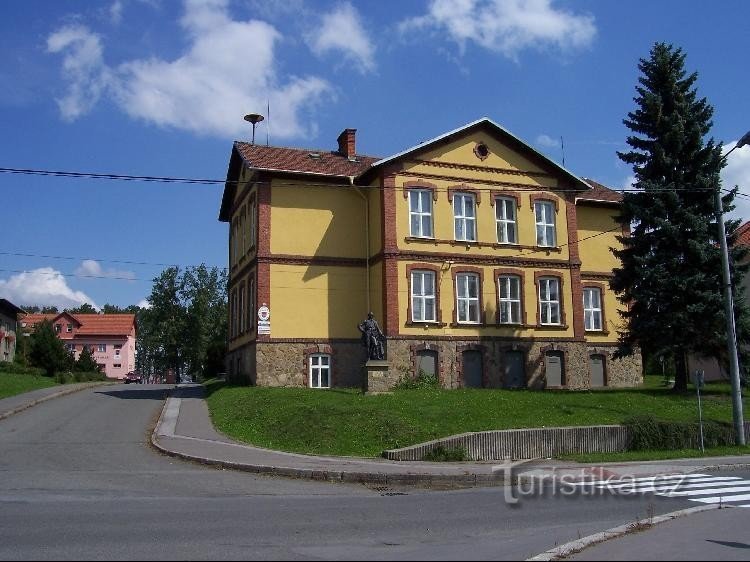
x: 320, y: 370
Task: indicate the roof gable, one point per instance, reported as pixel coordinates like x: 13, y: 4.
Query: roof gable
x: 525, y: 154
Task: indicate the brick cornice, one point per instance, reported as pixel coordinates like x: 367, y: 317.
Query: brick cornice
x: 505, y: 194
x: 554, y: 199
x: 439, y: 257
x: 477, y: 168
x: 460, y: 179
x: 463, y: 188
x: 420, y: 184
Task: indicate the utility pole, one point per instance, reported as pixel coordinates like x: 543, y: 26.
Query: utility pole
x: 734, y: 372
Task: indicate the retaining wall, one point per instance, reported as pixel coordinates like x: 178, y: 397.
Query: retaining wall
x: 537, y: 443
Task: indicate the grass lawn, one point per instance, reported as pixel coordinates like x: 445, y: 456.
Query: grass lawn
x: 14, y: 383
x: 344, y: 422
x: 659, y: 455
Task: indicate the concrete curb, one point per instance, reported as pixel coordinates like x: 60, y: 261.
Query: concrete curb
x: 64, y: 392
x: 574, y: 547
x: 339, y: 476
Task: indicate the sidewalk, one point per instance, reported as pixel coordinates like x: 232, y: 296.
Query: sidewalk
x: 19, y: 402
x: 185, y: 430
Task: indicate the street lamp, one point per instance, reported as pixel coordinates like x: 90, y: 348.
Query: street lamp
x: 734, y: 371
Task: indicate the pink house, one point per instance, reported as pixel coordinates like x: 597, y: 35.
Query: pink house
x: 109, y: 337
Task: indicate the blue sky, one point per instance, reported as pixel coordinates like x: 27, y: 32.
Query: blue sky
x: 159, y: 88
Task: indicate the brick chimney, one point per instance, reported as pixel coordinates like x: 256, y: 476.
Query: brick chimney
x: 346, y: 143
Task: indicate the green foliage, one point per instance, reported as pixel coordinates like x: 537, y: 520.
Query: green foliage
x: 445, y: 454
x: 12, y: 383
x: 19, y: 369
x: 185, y: 327
x: 85, y: 308
x: 85, y: 362
x: 650, y: 433
x: 421, y: 381
x: 47, y: 350
x: 671, y: 265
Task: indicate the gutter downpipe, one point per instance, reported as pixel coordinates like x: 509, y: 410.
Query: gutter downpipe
x: 367, y: 241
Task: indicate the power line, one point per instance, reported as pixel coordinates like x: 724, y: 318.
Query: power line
x: 208, y: 181
x: 103, y: 260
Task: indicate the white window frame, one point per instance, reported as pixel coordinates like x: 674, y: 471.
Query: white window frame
x: 460, y: 217
x: 510, y: 308
x: 550, y: 310
x: 546, y: 231
x: 463, y: 295
x: 592, y: 309
x: 427, y: 300
x: 506, y: 227
x: 101, y: 348
x: 420, y: 214
x: 69, y: 328
x: 316, y: 368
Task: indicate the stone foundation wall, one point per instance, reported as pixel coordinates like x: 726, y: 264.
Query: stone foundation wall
x: 620, y: 373
x: 285, y: 363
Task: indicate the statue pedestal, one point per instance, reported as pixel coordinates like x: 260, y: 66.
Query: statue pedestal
x: 376, y: 378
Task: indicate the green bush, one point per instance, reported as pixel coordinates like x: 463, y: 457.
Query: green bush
x: 445, y: 454
x: 423, y: 380
x: 16, y: 368
x: 649, y: 433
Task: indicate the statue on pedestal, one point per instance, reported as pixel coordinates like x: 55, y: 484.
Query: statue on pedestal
x: 372, y: 338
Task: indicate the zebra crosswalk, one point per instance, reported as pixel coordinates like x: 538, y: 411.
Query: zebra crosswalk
x: 700, y: 488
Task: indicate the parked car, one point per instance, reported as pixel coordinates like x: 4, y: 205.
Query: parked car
x: 133, y: 377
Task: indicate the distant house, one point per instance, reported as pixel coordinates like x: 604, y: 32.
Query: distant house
x: 8, y: 329
x: 110, y: 338
x: 712, y: 369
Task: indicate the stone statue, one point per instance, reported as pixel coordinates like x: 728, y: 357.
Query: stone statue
x: 372, y: 338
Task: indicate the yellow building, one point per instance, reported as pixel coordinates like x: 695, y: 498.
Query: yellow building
x: 484, y: 262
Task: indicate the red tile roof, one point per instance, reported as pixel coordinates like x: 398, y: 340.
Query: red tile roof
x: 600, y: 192
x: 743, y: 235
x: 90, y: 324
x: 302, y: 160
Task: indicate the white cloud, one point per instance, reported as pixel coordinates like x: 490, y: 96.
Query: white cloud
x: 92, y: 268
x: 44, y: 287
x: 143, y: 303
x: 505, y: 26
x: 115, y: 12
x: 547, y: 141
x: 342, y: 30
x: 228, y: 70
x: 83, y: 68
x: 628, y: 182
x: 737, y: 172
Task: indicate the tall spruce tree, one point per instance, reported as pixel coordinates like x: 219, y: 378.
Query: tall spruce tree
x: 671, y: 270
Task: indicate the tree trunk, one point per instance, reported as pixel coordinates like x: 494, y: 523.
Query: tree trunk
x: 681, y: 372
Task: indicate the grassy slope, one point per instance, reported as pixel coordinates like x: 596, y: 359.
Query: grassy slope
x: 344, y: 422
x: 13, y: 383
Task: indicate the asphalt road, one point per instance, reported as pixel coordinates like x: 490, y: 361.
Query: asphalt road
x: 79, y: 480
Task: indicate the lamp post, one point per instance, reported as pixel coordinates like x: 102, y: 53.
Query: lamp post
x: 734, y: 371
